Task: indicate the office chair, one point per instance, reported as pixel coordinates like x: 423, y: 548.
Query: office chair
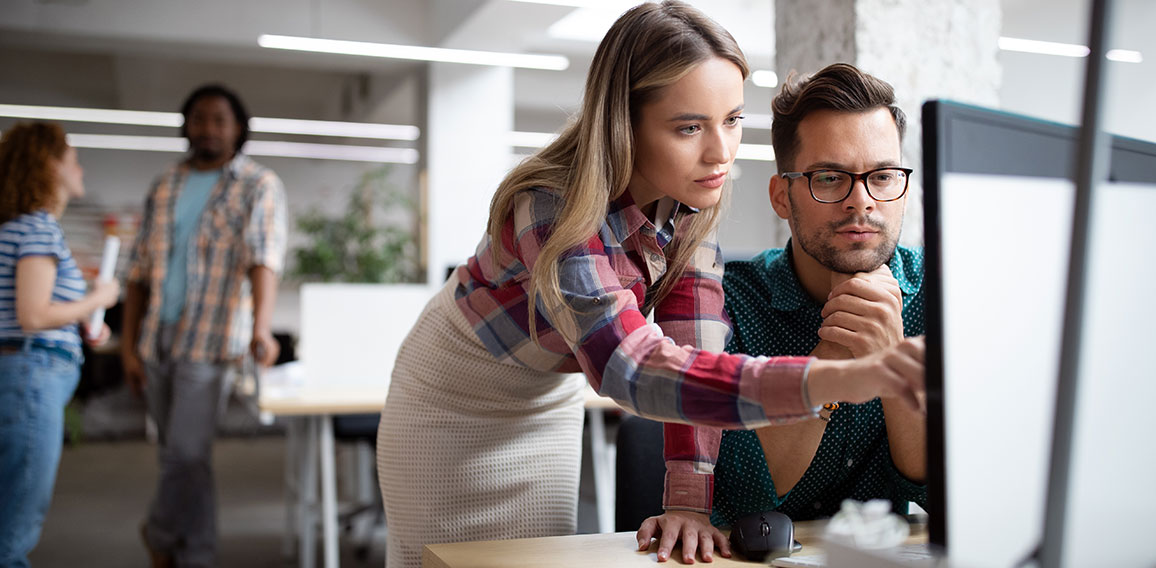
x: 641, y: 472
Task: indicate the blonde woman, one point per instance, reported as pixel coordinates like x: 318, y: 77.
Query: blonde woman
x: 611, y: 223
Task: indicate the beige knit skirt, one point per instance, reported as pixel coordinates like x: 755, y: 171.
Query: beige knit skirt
x: 470, y: 448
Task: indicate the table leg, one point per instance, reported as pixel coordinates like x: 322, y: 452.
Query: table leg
x: 292, y: 484
x: 328, y: 492
x: 307, y: 503
x: 603, y: 469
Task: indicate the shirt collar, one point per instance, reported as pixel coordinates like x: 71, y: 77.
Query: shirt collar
x: 787, y: 293
x: 232, y: 167
x: 625, y: 218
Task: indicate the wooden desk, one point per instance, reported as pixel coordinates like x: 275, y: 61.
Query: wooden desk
x: 613, y: 550
x: 310, y: 409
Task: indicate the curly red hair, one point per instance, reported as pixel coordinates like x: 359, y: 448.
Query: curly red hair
x: 28, y: 155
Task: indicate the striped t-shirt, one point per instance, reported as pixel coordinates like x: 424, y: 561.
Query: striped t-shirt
x: 38, y: 234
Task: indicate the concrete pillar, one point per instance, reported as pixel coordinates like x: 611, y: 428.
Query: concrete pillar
x: 925, y: 49
x: 470, y: 112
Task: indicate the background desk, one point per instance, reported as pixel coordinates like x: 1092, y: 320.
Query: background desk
x: 310, y: 410
x: 613, y: 550
x: 309, y: 413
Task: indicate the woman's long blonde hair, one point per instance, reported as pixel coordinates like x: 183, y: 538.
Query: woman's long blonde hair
x: 650, y: 47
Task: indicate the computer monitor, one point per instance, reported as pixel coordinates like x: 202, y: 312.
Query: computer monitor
x: 998, y: 215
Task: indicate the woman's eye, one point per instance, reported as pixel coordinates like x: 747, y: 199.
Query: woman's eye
x: 689, y: 129
x: 732, y: 121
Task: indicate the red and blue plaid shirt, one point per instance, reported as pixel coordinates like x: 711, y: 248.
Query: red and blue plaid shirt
x: 673, y: 370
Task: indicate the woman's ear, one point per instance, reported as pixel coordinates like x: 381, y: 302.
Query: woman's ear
x: 780, y: 202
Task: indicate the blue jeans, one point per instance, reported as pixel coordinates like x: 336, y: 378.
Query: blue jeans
x: 35, y: 385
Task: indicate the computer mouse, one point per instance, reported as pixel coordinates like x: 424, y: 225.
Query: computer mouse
x: 761, y: 535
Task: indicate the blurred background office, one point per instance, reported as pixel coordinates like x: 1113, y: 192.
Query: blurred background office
x: 412, y: 143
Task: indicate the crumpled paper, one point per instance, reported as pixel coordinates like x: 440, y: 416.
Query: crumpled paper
x: 869, y: 525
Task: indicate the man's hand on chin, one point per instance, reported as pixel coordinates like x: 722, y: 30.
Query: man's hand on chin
x: 864, y: 312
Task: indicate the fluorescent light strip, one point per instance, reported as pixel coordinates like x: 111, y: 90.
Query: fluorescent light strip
x: 1125, y: 56
x: 569, y: 3
x: 765, y: 78
x: 534, y: 140
x: 252, y: 147
x: 754, y: 120
x: 760, y: 152
x: 1064, y: 49
x: 120, y: 142
x: 529, y: 139
x: 109, y: 116
x: 256, y: 124
x: 331, y: 152
x: 334, y: 128
x: 414, y: 52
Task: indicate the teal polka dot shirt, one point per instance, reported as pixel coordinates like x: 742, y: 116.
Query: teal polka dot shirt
x: 772, y: 315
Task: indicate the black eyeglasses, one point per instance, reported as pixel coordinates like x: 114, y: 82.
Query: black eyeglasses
x: 833, y: 186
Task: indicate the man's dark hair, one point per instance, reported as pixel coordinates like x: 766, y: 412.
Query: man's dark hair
x: 840, y: 87
x: 214, y: 90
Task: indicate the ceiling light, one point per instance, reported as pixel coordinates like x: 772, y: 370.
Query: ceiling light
x: 120, y: 142
x: 589, y: 23
x: 756, y: 120
x: 256, y: 124
x: 765, y: 78
x: 109, y: 116
x: 375, y: 154
x: 534, y: 140
x: 530, y: 139
x: 570, y: 3
x: 1064, y: 49
x: 1125, y: 56
x: 334, y: 128
x: 761, y: 152
x: 415, y: 52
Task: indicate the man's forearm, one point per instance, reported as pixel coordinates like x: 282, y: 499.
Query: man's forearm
x: 907, y: 436
x: 264, y: 284
x: 135, y: 297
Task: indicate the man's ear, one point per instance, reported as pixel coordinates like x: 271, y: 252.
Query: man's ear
x: 780, y: 202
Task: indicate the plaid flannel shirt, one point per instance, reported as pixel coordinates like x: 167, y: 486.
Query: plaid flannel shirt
x: 244, y: 224
x: 673, y: 370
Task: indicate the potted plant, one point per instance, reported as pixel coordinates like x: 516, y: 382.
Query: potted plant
x: 373, y: 241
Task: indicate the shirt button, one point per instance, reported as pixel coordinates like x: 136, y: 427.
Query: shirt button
x: 655, y: 257
x: 817, y: 505
x: 850, y: 462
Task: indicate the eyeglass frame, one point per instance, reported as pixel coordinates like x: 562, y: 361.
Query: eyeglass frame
x: 855, y: 177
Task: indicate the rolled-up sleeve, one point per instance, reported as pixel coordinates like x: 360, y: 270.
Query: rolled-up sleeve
x: 266, y: 234
x: 139, y: 261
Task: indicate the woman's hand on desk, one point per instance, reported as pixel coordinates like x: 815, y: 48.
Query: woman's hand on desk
x: 693, y: 529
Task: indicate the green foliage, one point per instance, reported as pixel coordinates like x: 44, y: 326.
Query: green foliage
x: 74, y: 422
x: 351, y: 247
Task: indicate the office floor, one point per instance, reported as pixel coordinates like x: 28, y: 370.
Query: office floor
x: 104, y: 487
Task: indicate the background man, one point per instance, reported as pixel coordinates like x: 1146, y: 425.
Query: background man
x: 201, y: 286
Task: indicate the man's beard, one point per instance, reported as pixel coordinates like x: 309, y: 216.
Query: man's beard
x: 208, y: 152
x: 861, y: 257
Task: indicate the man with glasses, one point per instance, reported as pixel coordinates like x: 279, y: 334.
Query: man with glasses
x: 841, y: 288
